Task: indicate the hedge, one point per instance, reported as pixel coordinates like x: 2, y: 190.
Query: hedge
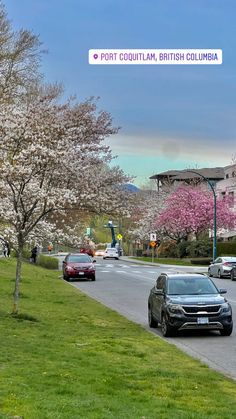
x: 201, y: 261
x: 47, y: 262
x: 226, y: 249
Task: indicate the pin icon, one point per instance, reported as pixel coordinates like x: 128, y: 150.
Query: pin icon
x: 95, y: 56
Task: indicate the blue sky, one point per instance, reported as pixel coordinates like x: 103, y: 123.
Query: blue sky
x: 171, y: 116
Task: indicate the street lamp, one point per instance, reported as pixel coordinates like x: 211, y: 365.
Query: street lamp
x: 214, y: 194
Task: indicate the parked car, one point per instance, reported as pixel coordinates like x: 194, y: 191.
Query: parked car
x: 78, y: 266
x: 188, y: 301
x: 233, y: 273
x: 222, y: 266
x: 87, y: 249
x: 111, y: 252
x: 99, y: 252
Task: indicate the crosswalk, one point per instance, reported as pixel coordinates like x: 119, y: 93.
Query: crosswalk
x: 141, y: 269
x: 122, y: 269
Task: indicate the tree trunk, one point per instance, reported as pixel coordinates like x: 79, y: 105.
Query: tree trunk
x: 18, y: 275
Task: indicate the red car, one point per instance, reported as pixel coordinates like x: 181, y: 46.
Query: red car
x: 78, y: 265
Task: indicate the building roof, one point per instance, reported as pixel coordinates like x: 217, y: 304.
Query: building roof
x: 216, y: 173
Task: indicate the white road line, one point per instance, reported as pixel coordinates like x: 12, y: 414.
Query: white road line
x: 136, y: 272
x: 104, y: 271
x: 121, y: 272
x: 152, y: 272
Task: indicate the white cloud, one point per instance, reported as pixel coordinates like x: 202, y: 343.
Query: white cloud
x: 217, y: 152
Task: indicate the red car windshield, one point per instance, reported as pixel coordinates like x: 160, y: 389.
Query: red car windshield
x: 79, y: 259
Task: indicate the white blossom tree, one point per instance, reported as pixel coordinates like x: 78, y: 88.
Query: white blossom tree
x: 19, y: 61
x: 53, y: 158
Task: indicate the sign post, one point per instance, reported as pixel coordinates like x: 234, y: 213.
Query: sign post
x: 152, y: 244
x: 153, y: 237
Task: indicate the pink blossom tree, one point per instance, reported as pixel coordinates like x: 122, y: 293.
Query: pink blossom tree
x: 190, y: 210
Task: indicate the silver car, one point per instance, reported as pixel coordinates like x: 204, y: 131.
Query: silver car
x: 222, y: 266
x: 111, y: 252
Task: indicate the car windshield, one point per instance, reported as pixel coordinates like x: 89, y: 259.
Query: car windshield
x: 78, y: 258
x: 191, y: 286
x: 111, y: 249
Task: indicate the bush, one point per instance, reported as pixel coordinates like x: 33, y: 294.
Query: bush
x: 168, y: 249
x: 182, y: 249
x: 199, y: 248
x: 226, y: 248
x: 202, y: 261
x: 47, y: 262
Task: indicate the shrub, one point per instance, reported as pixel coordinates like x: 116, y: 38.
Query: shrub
x: 168, y: 249
x: 226, y: 248
x: 201, y: 261
x: 47, y: 262
x: 199, y: 248
x: 182, y: 248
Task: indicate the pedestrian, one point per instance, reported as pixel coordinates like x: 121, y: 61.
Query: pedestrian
x: 34, y: 253
x: 50, y: 248
x: 8, y: 250
x: 5, y: 250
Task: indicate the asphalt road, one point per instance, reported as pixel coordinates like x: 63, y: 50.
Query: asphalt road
x: 124, y: 286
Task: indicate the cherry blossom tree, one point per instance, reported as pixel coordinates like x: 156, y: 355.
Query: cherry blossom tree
x: 53, y: 158
x: 19, y: 61
x: 189, y: 210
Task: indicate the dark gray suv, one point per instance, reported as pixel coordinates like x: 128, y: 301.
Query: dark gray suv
x: 188, y: 301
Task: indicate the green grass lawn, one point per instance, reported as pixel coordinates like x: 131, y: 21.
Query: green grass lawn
x: 166, y: 261
x: 74, y: 358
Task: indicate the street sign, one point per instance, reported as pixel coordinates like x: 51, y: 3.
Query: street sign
x: 152, y: 244
x: 153, y: 237
x: 119, y: 236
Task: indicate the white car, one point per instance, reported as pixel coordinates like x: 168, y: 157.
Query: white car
x: 222, y: 266
x: 99, y: 252
x: 111, y: 252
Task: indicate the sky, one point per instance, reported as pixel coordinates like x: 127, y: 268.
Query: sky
x: 171, y: 116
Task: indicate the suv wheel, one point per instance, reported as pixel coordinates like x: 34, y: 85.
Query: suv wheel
x: 93, y: 278
x: 166, y: 329
x: 226, y: 331
x: 151, y: 321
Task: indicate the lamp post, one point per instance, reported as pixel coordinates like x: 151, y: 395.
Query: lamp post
x: 214, y: 195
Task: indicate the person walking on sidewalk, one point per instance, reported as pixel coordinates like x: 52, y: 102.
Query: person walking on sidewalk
x: 34, y: 253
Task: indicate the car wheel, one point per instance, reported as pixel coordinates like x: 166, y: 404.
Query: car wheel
x: 166, y: 329
x: 233, y: 278
x: 209, y: 272
x: 219, y: 274
x: 93, y: 278
x: 151, y: 321
x: 226, y: 331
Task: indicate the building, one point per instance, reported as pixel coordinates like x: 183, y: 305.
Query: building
x: 227, y: 186
x: 171, y: 177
